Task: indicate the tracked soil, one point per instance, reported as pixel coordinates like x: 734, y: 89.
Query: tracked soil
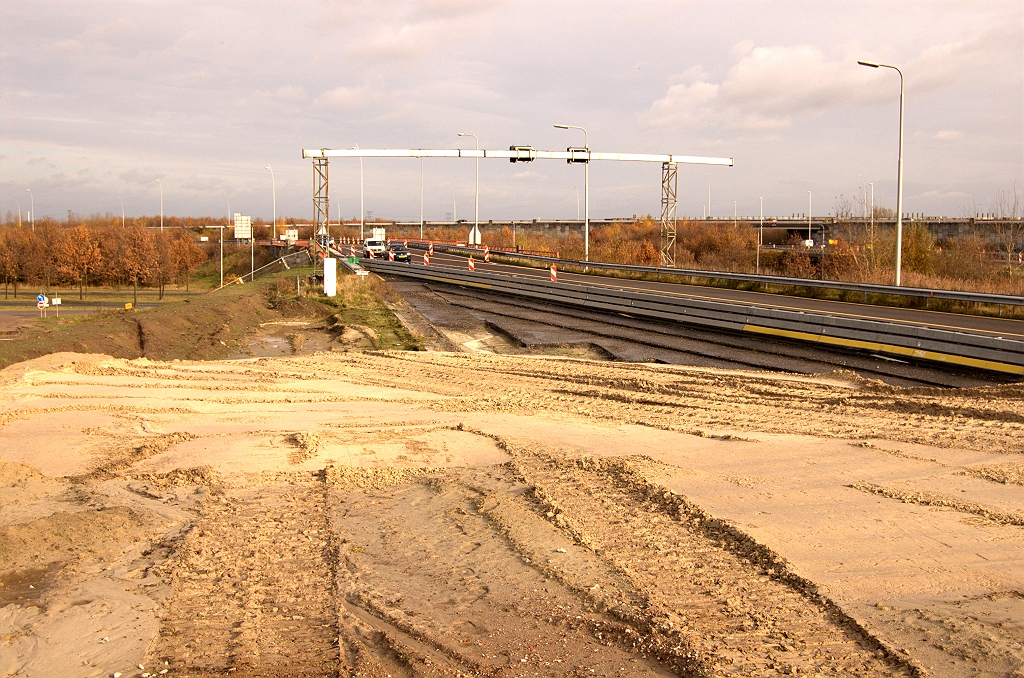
x: 426, y: 514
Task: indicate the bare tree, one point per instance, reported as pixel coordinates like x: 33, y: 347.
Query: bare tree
x: 1009, y: 224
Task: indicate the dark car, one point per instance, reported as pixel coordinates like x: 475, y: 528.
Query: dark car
x: 401, y: 253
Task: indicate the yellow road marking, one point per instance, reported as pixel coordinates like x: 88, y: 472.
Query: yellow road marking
x: 978, y: 363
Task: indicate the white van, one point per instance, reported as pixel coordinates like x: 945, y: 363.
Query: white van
x: 375, y: 245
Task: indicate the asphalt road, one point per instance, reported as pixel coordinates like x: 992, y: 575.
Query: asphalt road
x: 951, y: 321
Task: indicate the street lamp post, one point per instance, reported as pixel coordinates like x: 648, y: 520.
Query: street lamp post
x: 455, y: 207
x: 760, y: 237
x: 161, y: 203
x: 709, y: 194
x: 362, y: 213
x: 475, y: 239
x: 222, y: 240
x: 809, y: 216
x: 734, y: 220
x: 872, y: 241
x: 421, y: 197
x: 122, y: 211
x: 273, y: 187
x: 19, y: 211
x: 586, y: 189
x: 899, y: 175
x: 32, y: 209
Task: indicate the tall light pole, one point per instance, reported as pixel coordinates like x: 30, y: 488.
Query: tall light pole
x: 872, y: 241
x: 362, y: 213
x: 475, y: 239
x: 32, y: 209
x: 421, y: 197
x: 709, y: 194
x: 809, y: 216
x: 760, y: 237
x: 455, y: 207
x: 575, y: 188
x: 734, y: 213
x: 899, y: 176
x: 161, y: 203
x: 19, y: 211
x: 273, y: 187
x: 222, y: 240
x: 863, y: 197
x: 122, y: 211
x: 586, y: 189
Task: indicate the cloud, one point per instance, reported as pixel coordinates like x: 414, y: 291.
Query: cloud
x: 948, y: 135
x: 348, y: 98
x: 766, y: 88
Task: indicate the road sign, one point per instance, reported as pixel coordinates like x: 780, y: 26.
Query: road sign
x: 243, y: 227
x: 40, y: 297
x: 41, y: 304
x: 55, y: 301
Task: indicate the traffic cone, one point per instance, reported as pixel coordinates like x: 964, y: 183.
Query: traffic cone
x: 554, y: 273
x: 472, y: 266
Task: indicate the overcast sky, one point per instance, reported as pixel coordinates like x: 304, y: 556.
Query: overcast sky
x: 99, y: 99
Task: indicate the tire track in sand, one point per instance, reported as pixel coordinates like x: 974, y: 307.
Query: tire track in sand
x: 731, y: 600
x: 253, y: 590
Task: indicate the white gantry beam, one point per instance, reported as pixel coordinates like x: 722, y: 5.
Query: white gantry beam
x: 516, y: 154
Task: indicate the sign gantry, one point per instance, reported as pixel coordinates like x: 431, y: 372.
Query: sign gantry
x: 669, y: 174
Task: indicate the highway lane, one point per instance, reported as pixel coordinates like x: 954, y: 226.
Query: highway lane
x: 936, y: 319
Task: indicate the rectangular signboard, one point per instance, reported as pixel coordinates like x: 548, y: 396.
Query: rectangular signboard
x: 243, y: 227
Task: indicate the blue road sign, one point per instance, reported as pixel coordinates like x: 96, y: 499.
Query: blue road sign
x: 40, y: 297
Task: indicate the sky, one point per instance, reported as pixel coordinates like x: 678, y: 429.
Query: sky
x: 99, y: 100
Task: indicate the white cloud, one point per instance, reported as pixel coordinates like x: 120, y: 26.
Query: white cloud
x: 767, y: 87
x: 348, y: 98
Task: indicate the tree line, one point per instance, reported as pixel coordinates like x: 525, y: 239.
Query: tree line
x: 51, y: 253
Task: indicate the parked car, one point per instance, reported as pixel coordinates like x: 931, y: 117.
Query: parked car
x: 401, y: 253
x: 374, y: 245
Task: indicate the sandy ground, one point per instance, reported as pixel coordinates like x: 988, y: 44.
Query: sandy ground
x: 414, y: 514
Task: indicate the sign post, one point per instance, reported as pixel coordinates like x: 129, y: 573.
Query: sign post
x: 56, y: 305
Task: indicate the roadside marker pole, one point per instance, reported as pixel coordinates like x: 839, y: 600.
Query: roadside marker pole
x: 487, y: 254
x: 554, y: 273
x: 430, y: 249
x: 426, y: 259
x: 472, y: 266
x: 391, y: 255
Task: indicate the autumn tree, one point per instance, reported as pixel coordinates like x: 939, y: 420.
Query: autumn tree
x: 166, y: 261
x: 189, y: 256
x: 77, y: 254
x: 8, y: 260
x: 138, y: 261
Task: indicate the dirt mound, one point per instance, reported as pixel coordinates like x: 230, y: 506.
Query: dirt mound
x: 13, y: 475
x: 203, y: 327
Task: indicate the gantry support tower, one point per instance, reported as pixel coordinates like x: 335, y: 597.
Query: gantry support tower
x: 321, y: 203
x: 669, y: 186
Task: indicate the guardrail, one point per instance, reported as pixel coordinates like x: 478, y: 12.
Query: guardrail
x: 915, y: 342
x: 867, y: 288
